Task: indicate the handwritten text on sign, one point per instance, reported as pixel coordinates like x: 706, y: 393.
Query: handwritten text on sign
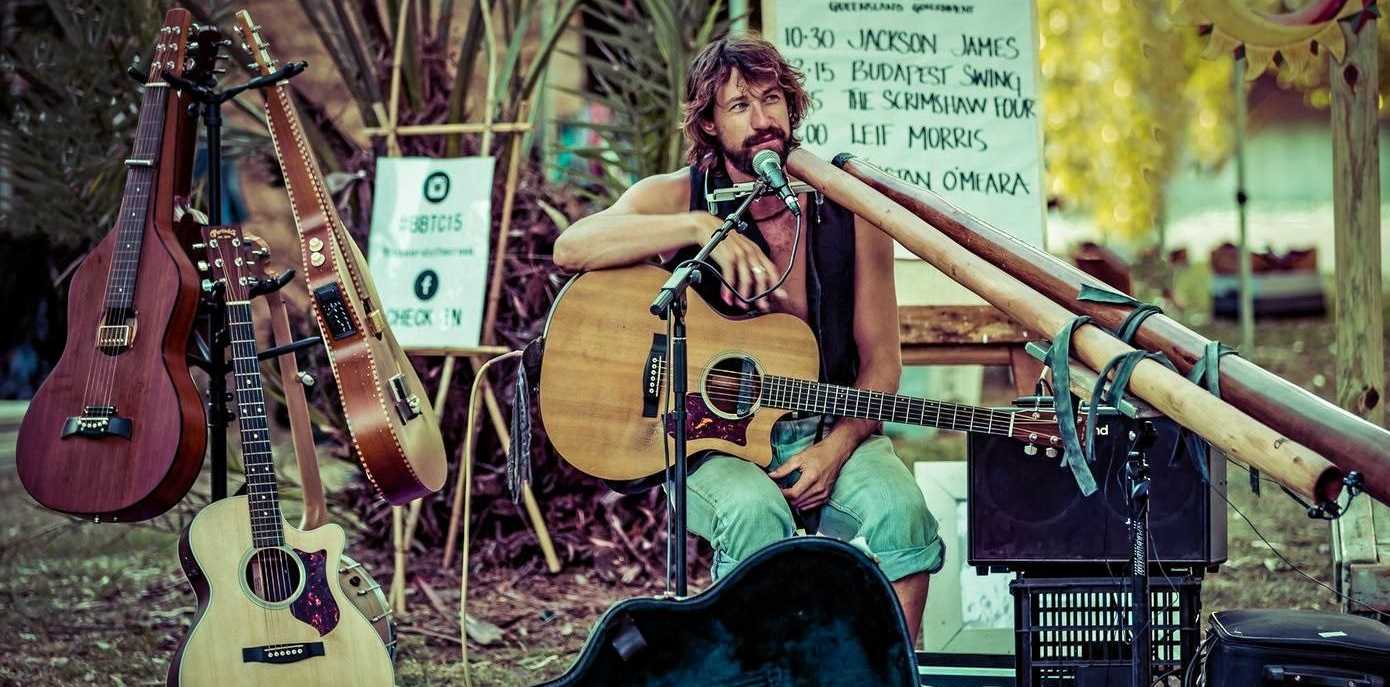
x: 941, y: 94
x: 431, y: 222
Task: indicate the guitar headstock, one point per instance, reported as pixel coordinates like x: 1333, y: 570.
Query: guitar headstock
x: 1037, y: 428
x: 229, y: 261
x: 204, y: 52
x: 252, y: 42
x: 170, y: 46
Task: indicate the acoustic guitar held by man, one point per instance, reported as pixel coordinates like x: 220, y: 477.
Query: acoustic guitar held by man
x: 839, y: 475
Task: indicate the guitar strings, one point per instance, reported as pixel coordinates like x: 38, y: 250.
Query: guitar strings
x: 789, y: 383
x: 734, y: 385
x: 272, y: 561
x: 958, y: 423
x: 907, y: 407
x: 103, y: 369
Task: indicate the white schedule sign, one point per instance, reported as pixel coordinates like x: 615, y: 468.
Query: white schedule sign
x: 943, y: 94
x: 431, y: 228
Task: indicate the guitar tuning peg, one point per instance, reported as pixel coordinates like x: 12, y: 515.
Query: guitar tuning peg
x: 237, y: 29
x: 202, y: 265
x: 225, y: 42
x: 1051, y: 452
x: 193, y: 45
x: 1030, y: 450
x: 306, y: 379
x: 199, y: 246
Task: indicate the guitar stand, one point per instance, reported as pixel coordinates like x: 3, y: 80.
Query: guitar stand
x: 669, y: 305
x: 1137, y: 487
x: 212, y: 345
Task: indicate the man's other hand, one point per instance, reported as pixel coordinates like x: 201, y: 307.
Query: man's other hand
x: 820, y: 466
x: 740, y: 260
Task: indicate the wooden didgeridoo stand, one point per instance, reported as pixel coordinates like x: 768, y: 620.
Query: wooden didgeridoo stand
x: 1226, y: 427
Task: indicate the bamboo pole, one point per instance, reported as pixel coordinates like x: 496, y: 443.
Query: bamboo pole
x: 1351, y: 442
x: 455, y: 128
x: 1246, y: 299
x: 403, y: 525
x: 552, y: 560
x: 400, y: 543
x: 1224, y: 426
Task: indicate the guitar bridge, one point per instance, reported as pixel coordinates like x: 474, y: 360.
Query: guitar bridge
x: 114, y: 338
x: 96, y: 422
x: 407, y: 405
x: 281, y: 653
x: 652, y: 376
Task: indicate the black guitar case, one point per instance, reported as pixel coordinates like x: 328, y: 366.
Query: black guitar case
x: 803, y: 611
x: 1246, y: 648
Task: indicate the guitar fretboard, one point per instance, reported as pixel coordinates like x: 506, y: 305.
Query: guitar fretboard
x: 261, y: 488
x: 141, y: 177
x: 788, y: 393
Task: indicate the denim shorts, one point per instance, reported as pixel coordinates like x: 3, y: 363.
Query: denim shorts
x: 875, y: 504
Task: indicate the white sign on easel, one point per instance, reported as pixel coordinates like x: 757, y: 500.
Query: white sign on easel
x: 428, y: 252
x: 941, y: 94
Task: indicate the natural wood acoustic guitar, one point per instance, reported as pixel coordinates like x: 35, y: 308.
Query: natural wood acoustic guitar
x: 603, y: 382
x: 117, y: 431
x: 271, y: 607
x: 394, y: 431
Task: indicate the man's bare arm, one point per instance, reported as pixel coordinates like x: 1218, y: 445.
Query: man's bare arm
x: 649, y: 219
x: 875, y: 327
x: 880, y: 367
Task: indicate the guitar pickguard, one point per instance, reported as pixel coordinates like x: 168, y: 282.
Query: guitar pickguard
x: 702, y: 423
x: 315, y: 607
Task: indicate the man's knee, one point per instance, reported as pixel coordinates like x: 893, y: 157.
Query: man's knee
x: 758, y: 510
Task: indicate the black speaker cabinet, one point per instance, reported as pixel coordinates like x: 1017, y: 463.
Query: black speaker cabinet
x: 1027, y: 513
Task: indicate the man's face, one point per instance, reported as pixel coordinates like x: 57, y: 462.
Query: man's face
x: 749, y: 117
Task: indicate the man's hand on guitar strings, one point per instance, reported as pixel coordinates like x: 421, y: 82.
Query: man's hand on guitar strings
x: 820, y: 466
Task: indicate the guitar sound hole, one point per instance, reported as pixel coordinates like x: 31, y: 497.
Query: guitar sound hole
x: 274, y: 576
x: 733, y: 386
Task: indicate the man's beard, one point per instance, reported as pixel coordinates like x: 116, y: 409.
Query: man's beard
x: 742, y: 158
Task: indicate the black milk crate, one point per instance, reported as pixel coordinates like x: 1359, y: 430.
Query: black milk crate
x: 1074, y: 631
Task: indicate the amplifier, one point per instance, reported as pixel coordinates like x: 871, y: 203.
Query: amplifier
x: 1026, y: 511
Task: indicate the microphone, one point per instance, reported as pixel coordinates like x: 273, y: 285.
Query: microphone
x: 768, y: 165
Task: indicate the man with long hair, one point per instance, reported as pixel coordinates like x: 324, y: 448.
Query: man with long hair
x: 743, y: 97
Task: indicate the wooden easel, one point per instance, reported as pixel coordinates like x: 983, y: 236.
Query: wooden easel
x: 403, y: 526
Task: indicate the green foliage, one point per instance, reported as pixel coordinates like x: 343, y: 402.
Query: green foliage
x: 646, y: 48
x: 69, y: 114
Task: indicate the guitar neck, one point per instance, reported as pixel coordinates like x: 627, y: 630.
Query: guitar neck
x: 303, y: 179
x: 312, y: 204
x: 261, y: 487
x: 141, y: 176
x: 787, y: 393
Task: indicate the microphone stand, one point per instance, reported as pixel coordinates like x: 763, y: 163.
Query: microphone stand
x: 669, y: 305
x: 1138, y: 485
x: 212, y: 348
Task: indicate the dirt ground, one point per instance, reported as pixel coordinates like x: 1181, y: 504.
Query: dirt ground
x: 105, y: 604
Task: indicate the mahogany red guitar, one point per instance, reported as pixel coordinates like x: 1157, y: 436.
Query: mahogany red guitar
x: 117, y: 431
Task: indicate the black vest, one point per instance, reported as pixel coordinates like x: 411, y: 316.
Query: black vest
x: 829, y: 273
